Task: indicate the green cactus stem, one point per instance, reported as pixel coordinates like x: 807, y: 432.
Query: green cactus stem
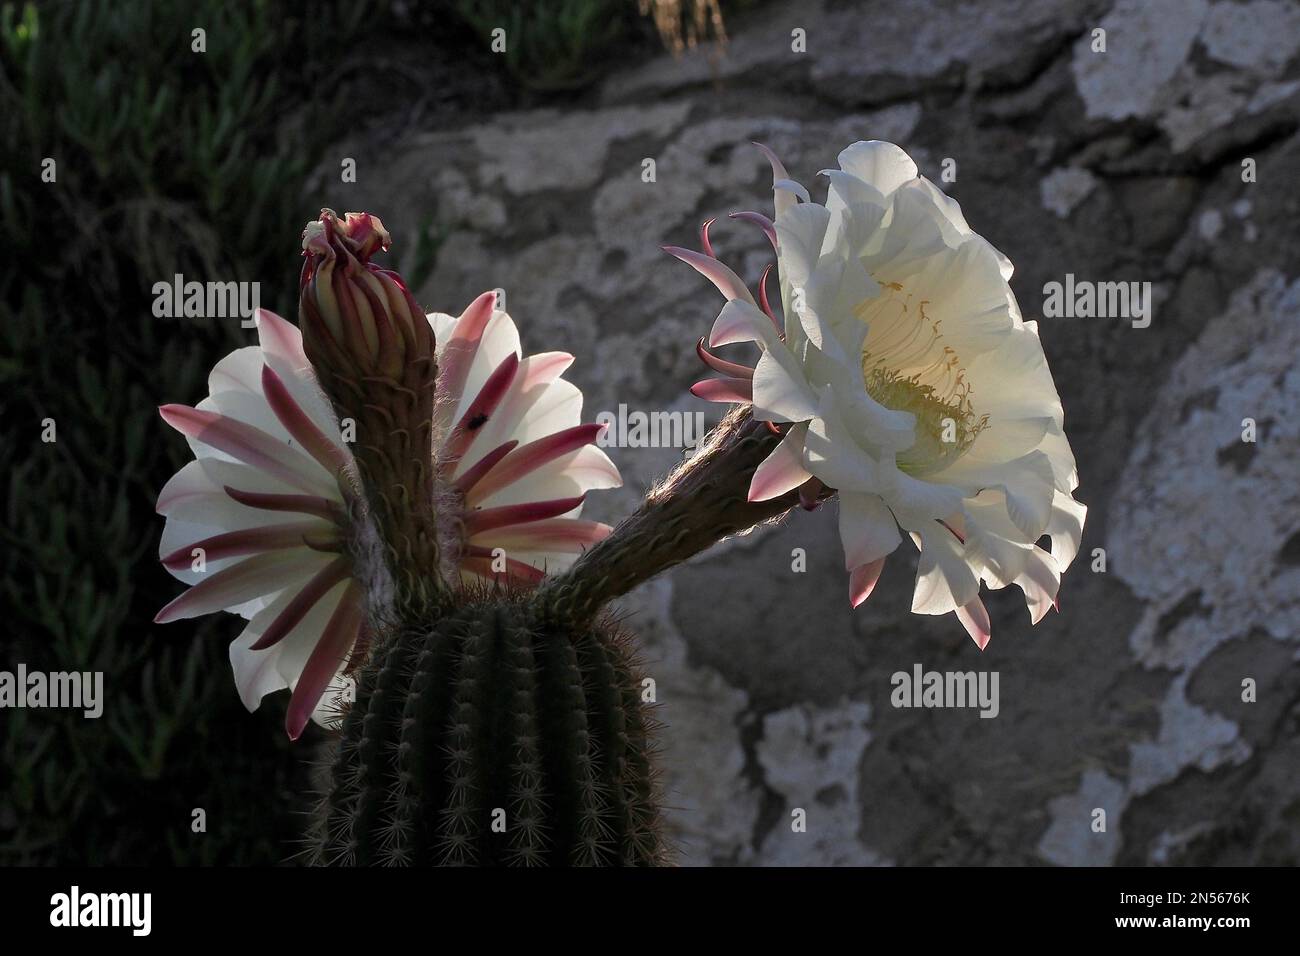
x: 705, y: 500
x: 493, y: 738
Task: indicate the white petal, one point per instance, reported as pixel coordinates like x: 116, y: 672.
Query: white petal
x: 258, y: 673
x: 783, y: 469
x: 867, y: 529
x: 781, y: 394
x: 883, y: 165
x: 944, y: 581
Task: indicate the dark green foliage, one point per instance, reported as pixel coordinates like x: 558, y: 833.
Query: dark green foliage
x: 168, y: 161
x: 552, y: 44
x: 491, y: 709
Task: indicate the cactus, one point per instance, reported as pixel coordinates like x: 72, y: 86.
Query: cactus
x: 492, y: 724
x: 495, y: 736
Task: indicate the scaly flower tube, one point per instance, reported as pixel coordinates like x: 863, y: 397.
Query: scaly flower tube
x: 904, y: 377
x: 282, y: 519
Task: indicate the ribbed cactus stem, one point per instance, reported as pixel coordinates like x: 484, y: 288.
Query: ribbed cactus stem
x: 703, y: 501
x: 493, y: 737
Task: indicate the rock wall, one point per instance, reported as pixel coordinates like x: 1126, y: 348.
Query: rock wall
x: 1123, y: 165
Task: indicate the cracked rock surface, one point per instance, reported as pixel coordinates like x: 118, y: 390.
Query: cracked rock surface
x: 1125, y: 165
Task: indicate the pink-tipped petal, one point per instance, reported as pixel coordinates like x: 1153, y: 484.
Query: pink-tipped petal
x: 299, y: 425
x: 528, y: 458
x: 810, y: 494
x: 481, y: 408
x: 560, y: 535
x: 485, y: 519
x: 329, y: 655
x: 778, y: 167
x: 251, y: 578
x: 234, y: 544
x: 302, y: 504
x: 542, y: 369
x: 729, y: 390
x: 727, y: 282
x: 280, y: 337
x: 732, y: 369
x: 765, y: 305
x: 479, y: 560
x: 484, y: 466
x: 862, y: 580
x: 758, y: 219
x: 783, y: 469
x: 705, y: 244
x: 240, y: 440
x: 302, y: 602
x: 974, y: 616
x: 458, y: 353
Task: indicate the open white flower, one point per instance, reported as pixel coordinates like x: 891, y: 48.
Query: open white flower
x: 267, y: 521
x: 907, y: 381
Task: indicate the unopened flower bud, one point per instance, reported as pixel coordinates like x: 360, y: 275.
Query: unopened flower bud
x: 357, y: 318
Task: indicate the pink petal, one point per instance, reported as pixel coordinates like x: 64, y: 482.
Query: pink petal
x: 251, y: 578
x: 862, y: 580
x: 728, y: 282
x: 783, y: 469
x: 778, y: 168
x: 244, y: 442
x: 483, y: 466
x: 724, y: 390
x: 329, y: 655
x: 299, y: 425
x: 543, y: 368
x: 975, y: 618
x: 704, y: 237
x: 528, y: 458
x: 758, y: 219
x: 765, y: 305
x: 281, y: 338
x: 479, y: 560
x: 485, y: 519
x: 731, y: 369
x: 561, y: 535
x: 302, y: 602
x: 458, y: 354
x: 302, y: 504
x: 233, y: 544
x: 480, y: 409
x: 810, y: 493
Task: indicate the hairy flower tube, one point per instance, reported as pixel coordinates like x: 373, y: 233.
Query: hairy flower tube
x: 902, y: 376
x: 367, y: 466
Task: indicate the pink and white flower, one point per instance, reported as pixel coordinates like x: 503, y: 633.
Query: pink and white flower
x: 903, y: 376
x: 268, y: 521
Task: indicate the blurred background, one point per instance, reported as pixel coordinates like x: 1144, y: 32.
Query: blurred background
x: 1169, y: 158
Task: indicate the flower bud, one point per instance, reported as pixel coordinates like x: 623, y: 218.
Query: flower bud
x: 357, y: 318
x: 372, y: 350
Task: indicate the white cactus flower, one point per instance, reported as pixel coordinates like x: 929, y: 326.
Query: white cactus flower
x: 267, y: 521
x: 904, y: 377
